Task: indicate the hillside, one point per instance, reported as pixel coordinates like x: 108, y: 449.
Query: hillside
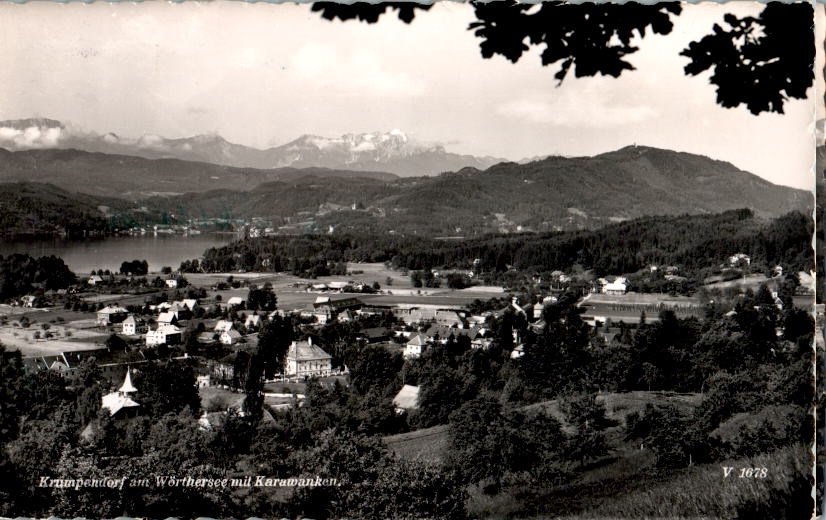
x: 554, y: 193
x: 136, y: 177
x: 43, y: 209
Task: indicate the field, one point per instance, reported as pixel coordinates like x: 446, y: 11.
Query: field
x: 627, y: 307
x: 292, y: 295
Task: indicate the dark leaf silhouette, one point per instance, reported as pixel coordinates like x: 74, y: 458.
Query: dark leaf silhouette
x: 759, y: 62
x: 593, y: 39
x: 366, y: 12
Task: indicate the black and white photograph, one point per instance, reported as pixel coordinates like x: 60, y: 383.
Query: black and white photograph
x: 409, y: 261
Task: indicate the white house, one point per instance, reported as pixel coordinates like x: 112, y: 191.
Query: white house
x: 235, y: 301
x: 253, y: 321
x: 735, y: 260
x: 172, y: 283
x: 132, y: 326
x: 306, y: 359
x: 616, y: 287
x: 163, y: 335
x: 229, y: 337
x: 223, y: 326
x: 94, y: 280
x: 167, y: 318
x: 415, y: 346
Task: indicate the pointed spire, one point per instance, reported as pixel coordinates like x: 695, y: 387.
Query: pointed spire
x: 127, y: 385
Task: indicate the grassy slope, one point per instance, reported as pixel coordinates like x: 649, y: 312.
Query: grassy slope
x: 626, y: 483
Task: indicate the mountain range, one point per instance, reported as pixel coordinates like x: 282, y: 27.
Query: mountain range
x: 393, y: 151
x: 554, y: 193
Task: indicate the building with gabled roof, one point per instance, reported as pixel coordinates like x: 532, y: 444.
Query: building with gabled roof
x: 119, y: 403
x: 111, y: 314
x: 415, y: 346
x: 407, y: 399
x: 305, y: 360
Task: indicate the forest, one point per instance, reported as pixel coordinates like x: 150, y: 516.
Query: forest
x: 698, y: 244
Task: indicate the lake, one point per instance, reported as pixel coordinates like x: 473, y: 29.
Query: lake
x: 107, y: 253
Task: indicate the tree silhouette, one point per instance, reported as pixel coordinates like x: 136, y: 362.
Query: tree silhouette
x: 757, y: 61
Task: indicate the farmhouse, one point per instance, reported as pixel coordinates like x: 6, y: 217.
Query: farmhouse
x: 132, y: 326
x: 164, y: 335
x: 305, y: 359
x: 111, y: 314
x: 94, y: 280
x: 616, y: 287
x: 415, y: 346
x: 229, y: 337
x: 167, y: 318
x: 444, y: 317
x: 172, y: 283
x: 112, y: 363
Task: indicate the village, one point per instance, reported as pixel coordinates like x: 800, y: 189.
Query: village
x: 120, y: 321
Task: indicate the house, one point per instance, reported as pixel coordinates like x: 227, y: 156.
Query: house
x: 94, y: 280
x: 617, y: 287
x: 374, y: 334
x: 305, y: 359
x: 172, y: 283
x: 444, y: 317
x: 223, y: 326
x: 235, y: 301
x: 29, y: 301
x: 132, y: 326
x: 119, y: 404
x: 56, y: 363
x: 345, y: 317
x: 407, y: 399
x: 190, y: 303
x: 167, y: 318
x: 253, y: 321
x: 325, y: 310
x: 229, y: 337
x: 164, y: 335
x: 111, y: 314
x: 441, y: 333
x: 111, y: 363
x: 415, y: 346
x: 739, y: 259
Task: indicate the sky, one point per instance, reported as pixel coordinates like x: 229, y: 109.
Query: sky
x: 263, y: 74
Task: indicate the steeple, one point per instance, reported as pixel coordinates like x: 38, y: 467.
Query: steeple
x: 127, y: 386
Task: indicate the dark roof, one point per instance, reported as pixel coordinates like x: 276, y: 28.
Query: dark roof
x: 341, y: 304
x: 103, y: 357
x: 445, y: 332
x: 375, y: 332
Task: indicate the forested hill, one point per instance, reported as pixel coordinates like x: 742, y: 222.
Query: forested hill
x: 28, y: 208
x: 694, y: 243
x: 555, y: 193
x: 132, y: 177
x: 551, y: 194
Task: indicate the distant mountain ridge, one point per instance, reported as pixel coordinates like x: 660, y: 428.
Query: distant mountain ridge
x: 554, y: 193
x: 393, y: 151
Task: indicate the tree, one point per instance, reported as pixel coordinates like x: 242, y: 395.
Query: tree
x: 758, y: 61
x: 167, y: 387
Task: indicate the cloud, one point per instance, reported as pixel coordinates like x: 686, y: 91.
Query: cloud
x: 31, y: 137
